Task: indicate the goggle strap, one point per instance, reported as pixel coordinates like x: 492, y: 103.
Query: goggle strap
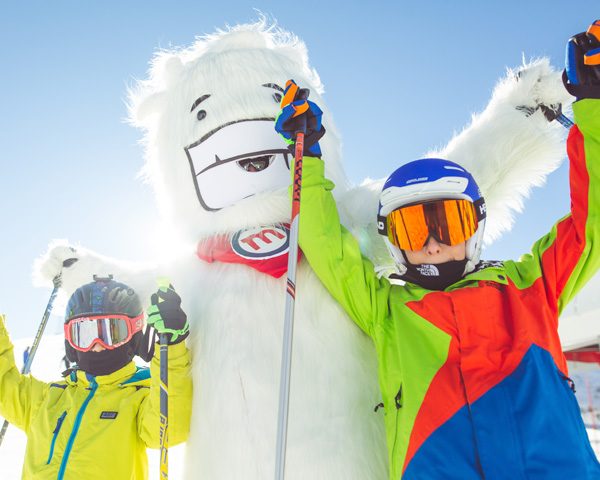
x: 480, y: 208
x: 382, y: 225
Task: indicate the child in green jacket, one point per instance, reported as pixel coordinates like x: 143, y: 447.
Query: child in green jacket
x: 471, y: 370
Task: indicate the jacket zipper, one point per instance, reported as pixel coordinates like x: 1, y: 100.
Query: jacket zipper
x: 76, y: 425
x: 569, y: 381
x: 398, y: 403
x: 59, y: 423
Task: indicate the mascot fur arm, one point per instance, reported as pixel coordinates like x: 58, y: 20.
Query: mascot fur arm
x: 509, y: 148
x: 142, y: 278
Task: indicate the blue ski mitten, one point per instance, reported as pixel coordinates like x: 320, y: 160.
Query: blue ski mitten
x: 582, y: 66
x: 298, y: 114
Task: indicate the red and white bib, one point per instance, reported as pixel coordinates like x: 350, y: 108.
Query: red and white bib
x: 263, y: 248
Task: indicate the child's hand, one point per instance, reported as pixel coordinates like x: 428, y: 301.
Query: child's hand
x: 166, y: 316
x: 298, y: 114
x: 582, y: 70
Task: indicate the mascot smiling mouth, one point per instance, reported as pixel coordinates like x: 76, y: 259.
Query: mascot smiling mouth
x: 238, y: 160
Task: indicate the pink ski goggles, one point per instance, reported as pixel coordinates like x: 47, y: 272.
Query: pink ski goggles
x: 110, y: 331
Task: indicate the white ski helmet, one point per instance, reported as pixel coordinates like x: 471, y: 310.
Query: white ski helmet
x: 425, y: 180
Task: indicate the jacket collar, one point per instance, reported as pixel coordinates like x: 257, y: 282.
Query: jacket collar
x: 487, y: 271
x: 116, y: 378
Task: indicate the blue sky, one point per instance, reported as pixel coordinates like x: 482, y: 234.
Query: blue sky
x: 400, y: 77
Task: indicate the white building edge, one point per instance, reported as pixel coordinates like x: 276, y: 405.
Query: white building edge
x: 579, y: 325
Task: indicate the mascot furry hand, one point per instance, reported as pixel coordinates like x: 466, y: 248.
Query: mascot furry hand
x: 221, y: 174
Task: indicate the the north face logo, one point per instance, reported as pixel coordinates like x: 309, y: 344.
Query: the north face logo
x: 428, y: 270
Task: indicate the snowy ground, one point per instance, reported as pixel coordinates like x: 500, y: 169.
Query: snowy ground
x: 587, y: 389
x: 47, y: 366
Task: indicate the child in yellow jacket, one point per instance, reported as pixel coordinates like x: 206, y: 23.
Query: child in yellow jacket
x: 98, y: 421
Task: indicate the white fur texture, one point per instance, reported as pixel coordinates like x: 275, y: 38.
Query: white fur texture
x: 236, y: 312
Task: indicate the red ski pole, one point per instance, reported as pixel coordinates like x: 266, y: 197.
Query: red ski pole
x: 288, y: 329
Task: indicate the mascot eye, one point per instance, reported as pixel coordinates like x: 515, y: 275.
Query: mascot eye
x: 201, y: 113
x: 278, y: 95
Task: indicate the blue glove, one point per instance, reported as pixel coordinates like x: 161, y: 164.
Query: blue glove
x: 300, y: 115
x: 582, y: 66
x: 166, y: 316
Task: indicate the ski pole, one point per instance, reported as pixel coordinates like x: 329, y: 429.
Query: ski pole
x: 552, y: 112
x: 564, y: 121
x: 164, y: 396
x: 38, y: 336
x: 288, y: 329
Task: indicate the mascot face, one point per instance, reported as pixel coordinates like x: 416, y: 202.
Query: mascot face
x: 212, y: 153
x: 257, y: 163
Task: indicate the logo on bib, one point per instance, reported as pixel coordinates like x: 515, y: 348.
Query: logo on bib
x: 261, y: 242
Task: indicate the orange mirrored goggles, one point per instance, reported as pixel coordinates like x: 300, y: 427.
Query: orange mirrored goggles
x: 450, y: 221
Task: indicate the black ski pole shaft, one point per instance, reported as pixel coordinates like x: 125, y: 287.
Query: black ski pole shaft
x: 164, y: 406
x: 38, y: 336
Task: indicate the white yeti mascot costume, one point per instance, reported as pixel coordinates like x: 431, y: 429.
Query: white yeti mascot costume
x: 221, y: 176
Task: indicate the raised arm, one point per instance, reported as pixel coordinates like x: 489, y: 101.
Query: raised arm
x: 331, y: 250
x: 166, y: 316
x: 20, y: 395
x: 335, y: 255
x: 569, y: 255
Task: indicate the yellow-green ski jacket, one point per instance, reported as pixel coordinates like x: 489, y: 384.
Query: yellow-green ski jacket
x: 88, y: 428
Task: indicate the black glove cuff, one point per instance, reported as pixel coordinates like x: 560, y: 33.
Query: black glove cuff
x: 313, y: 137
x: 580, y: 91
x: 305, y: 153
x: 180, y: 338
x: 310, y: 139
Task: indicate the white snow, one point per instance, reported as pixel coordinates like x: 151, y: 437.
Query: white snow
x: 47, y: 366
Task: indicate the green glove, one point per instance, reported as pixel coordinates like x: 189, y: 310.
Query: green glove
x: 165, y: 314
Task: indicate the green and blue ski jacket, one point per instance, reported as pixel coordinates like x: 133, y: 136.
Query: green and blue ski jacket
x: 473, y: 378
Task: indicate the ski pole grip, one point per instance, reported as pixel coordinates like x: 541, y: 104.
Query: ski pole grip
x: 302, y: 94
x: 163, y: 283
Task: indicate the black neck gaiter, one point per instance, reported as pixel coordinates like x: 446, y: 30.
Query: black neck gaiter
x: 106, y: 361
x: 435, y: 277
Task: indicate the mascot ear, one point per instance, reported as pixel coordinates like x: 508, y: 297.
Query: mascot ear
x: 167, y: 71
x: 140, y: 111
x: 172, y: 70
